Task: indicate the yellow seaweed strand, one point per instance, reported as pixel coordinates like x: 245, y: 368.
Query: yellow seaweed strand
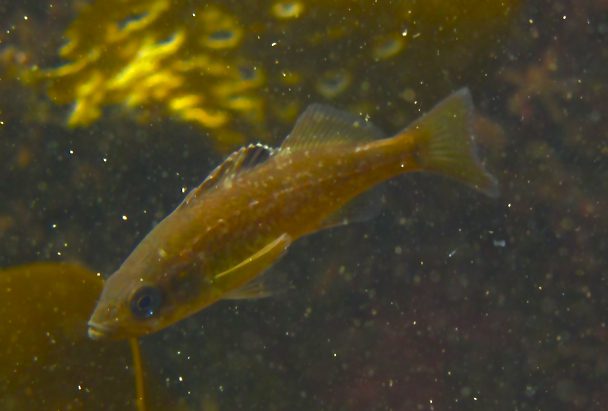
x: 140, y: 401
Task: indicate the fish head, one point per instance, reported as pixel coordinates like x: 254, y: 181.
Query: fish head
x: 126, y: 309
x: 140, y: 299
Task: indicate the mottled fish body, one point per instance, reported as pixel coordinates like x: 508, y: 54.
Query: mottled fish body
x: 243, y: 217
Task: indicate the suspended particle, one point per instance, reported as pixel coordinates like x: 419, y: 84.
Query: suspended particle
x: 387, y: 47
x: 287, y: 9
x: 333, y: 83
x: 290, y: 78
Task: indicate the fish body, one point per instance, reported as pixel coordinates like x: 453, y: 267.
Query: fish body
x: 248, y: 211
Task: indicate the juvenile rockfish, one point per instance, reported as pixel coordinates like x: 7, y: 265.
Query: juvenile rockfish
x: 250, y: 209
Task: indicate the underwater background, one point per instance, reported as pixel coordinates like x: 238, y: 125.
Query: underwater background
x: 111, y: 110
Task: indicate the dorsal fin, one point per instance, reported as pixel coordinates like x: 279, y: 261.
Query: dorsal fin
x: 320, y: 125
x: 245, y: 158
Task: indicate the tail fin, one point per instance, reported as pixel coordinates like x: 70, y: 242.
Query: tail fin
x: 445, y: 143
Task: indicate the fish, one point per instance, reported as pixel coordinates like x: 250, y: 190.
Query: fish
x: 243, y: 217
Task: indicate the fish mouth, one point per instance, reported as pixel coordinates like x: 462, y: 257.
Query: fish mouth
x: 99, y: 332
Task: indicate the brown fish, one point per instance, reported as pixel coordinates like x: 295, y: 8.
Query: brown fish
x: 248, y: 211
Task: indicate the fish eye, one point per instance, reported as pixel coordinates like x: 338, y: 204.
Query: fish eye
x: 145, y: 302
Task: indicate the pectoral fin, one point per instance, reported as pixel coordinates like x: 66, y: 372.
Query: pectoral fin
x: 238, y: 276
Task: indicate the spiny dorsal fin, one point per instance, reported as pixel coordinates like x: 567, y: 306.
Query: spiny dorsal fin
x: 320, y: 125
x: 245, y: 158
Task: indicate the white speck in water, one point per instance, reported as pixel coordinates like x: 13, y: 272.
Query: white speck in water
x: 499, y: 243
x: 124, y: 218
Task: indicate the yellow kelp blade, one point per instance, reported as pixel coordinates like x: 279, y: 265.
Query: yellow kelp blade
x: 47, y: 362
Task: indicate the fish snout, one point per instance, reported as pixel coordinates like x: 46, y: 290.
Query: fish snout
x: 98, y: 332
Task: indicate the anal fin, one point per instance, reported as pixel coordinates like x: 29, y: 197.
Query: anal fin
x: 264, y: 285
